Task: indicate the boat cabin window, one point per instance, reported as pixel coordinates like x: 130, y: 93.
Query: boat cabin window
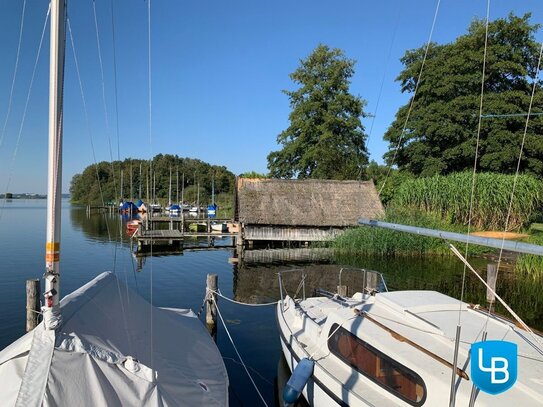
x: 378, y: 367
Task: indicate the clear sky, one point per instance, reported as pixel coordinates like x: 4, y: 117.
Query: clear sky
x: 218, y: 68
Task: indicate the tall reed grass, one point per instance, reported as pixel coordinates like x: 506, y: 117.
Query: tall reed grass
x: 386, y: 242
x: 528, y: 264
x: 449, y: 198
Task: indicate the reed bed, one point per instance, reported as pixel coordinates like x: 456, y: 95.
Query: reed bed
x: 385, y: 242
x: 528, y: 264
x: 449, y: 198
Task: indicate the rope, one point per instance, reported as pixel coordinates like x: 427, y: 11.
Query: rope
x: 19, y: 134
x: 239, y: 356
x: 203, y: 305
x: 507, y: 307
x: 329, y: 336
x: 475, y: 161
x: 253, y: 369
x: 15, y: 70
x: 412, y: 99
x: 240, y: 303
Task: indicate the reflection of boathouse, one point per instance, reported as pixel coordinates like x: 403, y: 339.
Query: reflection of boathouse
x: 302, y: 210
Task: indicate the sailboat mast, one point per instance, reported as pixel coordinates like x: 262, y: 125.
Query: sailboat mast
x: 170, y: 189
x: 177, y: 185
x: 54, y: 184
x: 139, y: 191
x: 131, y: 193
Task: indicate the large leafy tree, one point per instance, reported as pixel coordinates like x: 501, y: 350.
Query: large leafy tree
x: 325, y: 138
x: 440, y: 135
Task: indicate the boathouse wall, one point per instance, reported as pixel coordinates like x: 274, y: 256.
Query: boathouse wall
x: 302, y: 210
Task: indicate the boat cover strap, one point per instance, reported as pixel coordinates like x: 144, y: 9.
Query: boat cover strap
x: 37, y: 368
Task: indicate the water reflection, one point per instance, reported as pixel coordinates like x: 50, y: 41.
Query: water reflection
x: 100, y: 227
x: 255, y: 271
x: 255, y: 280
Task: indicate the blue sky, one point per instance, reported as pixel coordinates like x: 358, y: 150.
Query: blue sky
x: 218, y: 69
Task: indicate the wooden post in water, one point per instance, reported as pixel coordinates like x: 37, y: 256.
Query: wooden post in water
x: 32, y: 303
x: 211, y: 308
x: 491, y: 275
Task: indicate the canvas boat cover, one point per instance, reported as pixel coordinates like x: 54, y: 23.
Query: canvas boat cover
x: 114, y: 349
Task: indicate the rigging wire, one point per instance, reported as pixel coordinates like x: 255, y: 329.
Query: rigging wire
x: 85, y: 110
x: 412, y: 98
x: 23, y: 119
x: 237, y: 353
x: 387, y: 62
x: 473, y: 178
x: 534, y: 87
x: 10, y: 100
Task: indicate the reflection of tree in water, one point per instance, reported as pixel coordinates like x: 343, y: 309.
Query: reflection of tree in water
x: 95, y: 226
x: 258, y: 282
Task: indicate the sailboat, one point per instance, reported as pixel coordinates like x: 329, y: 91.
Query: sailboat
x: 380, y: 348
x: 103, y: 344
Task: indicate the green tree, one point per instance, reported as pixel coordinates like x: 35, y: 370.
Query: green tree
x: 325, y: 138
x: 253, y: 174
x: 440, y: 136
x: 102, y: 180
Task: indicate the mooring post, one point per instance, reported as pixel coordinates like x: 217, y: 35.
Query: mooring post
x: 32, y: 304
x: 491, y: 275
x: 211, y: 308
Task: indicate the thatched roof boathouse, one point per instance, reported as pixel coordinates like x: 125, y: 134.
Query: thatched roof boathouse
x: 302, y: 210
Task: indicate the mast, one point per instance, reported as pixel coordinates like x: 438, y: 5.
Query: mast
x: 131, y: 193
x: 170, y: 189
x: 213, y: 189
x: 51, y: 310
x: 183, y: 188
x: 139, y: 192
x: 122, y: 196
x: 177, y: 185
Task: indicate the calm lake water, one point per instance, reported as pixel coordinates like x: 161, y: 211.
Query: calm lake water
x: 90, y: 245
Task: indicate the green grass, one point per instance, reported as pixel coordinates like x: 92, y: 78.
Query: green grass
x: 449, y: 198
x: 385, y: 242
x: 528, y: 264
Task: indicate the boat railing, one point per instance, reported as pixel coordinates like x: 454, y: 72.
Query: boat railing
x: 372, y: 282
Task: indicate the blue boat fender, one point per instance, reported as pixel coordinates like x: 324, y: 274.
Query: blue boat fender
x: 298, y: 380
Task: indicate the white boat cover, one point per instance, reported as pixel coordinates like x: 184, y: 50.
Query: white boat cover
x: 114, y: 349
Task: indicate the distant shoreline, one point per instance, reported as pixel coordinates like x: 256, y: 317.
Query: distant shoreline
x: 28, y: 196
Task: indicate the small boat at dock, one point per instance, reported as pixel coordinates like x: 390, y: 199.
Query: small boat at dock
x: 219, y: 227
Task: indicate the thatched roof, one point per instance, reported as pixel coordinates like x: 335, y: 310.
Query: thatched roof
x: 306, y: 202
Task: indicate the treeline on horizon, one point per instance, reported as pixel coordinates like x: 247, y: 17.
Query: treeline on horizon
x: 101, y: 183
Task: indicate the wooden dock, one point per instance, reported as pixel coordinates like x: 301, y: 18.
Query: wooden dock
x: 160, y: 235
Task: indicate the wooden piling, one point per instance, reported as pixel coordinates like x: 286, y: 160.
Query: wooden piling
x: 211, y: 308
x: 32, y: 304
x: 491, y: 275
